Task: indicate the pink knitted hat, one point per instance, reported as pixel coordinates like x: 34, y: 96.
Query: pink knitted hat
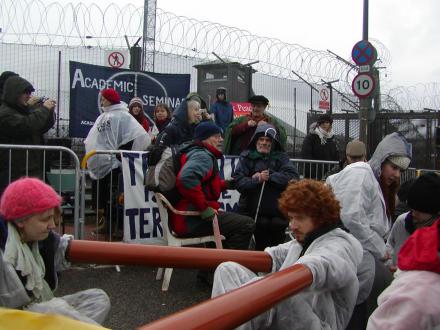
x: 27, y: 196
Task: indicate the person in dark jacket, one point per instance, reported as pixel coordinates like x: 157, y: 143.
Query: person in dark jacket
x: 240, y: 131
x: 199, y: 185
x: 181, y: 127
x: 319, y: 144
x: 21, y: 123
x: 264, y: 162
x: 222, y: 109
x: 3, y: 77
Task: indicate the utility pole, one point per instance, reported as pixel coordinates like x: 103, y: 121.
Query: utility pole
x: 364, y: 104
x: 149, y: 35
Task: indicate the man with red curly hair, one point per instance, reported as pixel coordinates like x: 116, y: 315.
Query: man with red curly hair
x: 323, y: 246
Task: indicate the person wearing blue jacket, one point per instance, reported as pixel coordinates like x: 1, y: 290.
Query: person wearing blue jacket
x: 222, y: 109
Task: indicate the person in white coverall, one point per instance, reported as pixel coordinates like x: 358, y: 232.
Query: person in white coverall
x: 31, y: 255
x: 323, y: 246
x: 367, y: 192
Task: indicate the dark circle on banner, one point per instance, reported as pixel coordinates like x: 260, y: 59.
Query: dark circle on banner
x: 116, y: 59
x: 363, y: 88
x: 364, y: 53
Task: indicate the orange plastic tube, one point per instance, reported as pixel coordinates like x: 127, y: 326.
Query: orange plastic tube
x: 239, y: 306
x: 80, y: 251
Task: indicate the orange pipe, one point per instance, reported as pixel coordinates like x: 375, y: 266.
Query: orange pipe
x: 163, y: 256
x: 239, y: 306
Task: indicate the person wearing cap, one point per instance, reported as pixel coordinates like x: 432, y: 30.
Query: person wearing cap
x: 355, y: 151
x: 367, y: 192
x: 222, y: 109
x: 136, y: 109
x: 114, y: 129
x: 182, y: 125
x: 240, y: 131
x: 31, y: 255
x: 199, y: 185
x: 22, y: 123
x: 262, y: 174
x: 319, y: 144
x: 424, y: 203
x: 412, y: 299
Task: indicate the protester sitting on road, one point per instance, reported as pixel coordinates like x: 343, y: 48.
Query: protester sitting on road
x: 319, y: 144
x: 355, y: 151
x: 367, y: 193
x: 239, y: 133
x: 261, y: 176
x: 424, y: 202
x: 331, y: 254
x: 114, y: 129
x: 33, y: 254
x: 412, y: 299
x: 200, y: 186
x: 25, y: 124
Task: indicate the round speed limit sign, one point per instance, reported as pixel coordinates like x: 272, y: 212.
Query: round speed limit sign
x: 363, y: 85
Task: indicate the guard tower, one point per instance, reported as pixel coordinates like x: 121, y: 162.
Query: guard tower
x: 235, y: 77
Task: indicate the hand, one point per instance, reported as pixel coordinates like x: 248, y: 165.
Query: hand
x: 230, y: 184
x: 252, y: 123
x: 208, y: 214
x: 262, y: 122
x: 33, y: 101
x: 50, y: 104
x: 392, y: 268
x: 256, y: 176
x: 264, y: 175
x: 385, y: 257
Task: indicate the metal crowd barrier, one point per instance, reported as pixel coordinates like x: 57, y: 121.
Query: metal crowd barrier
x: 58, y: 179
x: 314, y: 169
x: 84, y: 173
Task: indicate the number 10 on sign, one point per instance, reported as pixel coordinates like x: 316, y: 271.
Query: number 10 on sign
x: 363, y: 85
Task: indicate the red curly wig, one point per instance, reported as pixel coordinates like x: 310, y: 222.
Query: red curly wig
x: 312, y: 198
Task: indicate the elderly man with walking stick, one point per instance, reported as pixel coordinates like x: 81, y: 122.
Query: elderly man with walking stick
x: 261, y: 176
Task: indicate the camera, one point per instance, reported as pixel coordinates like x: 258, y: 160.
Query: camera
x: 43, y: 99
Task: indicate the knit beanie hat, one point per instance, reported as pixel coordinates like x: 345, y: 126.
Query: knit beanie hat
x: 259, y: 99
x: 111, y: 95
x: 136, y: 101
x: 424, y: 194
x: 27, y: 196
x: 400, y: 161
x: 205, y: 130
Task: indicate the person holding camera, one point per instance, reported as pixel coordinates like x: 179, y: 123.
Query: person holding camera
x: 23, y: 120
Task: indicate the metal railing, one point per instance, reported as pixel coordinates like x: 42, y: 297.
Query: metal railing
x: 10, y: 148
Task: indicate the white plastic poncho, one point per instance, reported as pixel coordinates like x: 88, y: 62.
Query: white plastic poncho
x: 328, y: 303
x: 114, y: 128
x: 91, y: 306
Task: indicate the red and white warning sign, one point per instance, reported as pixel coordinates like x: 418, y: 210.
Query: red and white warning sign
x: 117, y: 59
x: 324, y: 98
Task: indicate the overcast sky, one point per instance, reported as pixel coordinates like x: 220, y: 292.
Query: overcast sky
x: 408, y: 28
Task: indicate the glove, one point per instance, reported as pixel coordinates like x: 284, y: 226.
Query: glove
x: 208, y: 213
x: 230, y: 184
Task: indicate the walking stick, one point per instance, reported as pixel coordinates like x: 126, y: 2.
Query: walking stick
x: 253, y: 243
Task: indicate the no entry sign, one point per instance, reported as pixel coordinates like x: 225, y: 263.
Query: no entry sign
x: 363, y: 85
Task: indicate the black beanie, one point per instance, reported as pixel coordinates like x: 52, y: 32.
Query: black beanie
x: 424, y: 195
x: 205, y: 130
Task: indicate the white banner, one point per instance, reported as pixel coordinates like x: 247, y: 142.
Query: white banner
x: 141, y: 214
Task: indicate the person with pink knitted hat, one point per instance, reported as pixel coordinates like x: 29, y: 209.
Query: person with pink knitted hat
x: 31, y: 254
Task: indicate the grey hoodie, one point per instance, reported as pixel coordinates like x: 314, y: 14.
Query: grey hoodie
x: 393, y: 144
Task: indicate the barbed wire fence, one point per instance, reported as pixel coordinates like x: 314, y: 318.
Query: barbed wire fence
x: 38, y: 39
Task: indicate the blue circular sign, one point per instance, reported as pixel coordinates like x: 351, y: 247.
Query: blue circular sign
x: 364, y: 53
